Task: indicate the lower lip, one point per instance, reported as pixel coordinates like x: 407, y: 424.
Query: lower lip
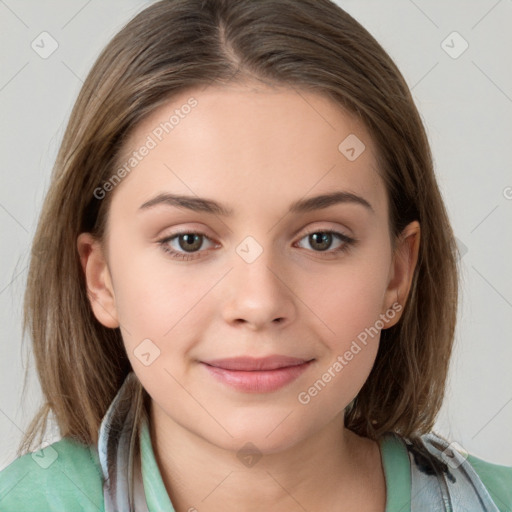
x: 263, y: 381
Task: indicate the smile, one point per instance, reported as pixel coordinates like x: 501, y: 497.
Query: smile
x: 257, y: 381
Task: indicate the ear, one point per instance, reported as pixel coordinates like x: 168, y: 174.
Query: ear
x: 99, y: 283
x: 401, y: 273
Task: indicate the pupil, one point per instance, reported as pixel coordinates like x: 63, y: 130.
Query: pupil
x: 189, y: 240
x: 324, y: 239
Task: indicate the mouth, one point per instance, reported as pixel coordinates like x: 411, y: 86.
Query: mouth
x: 248, y: 364
x: 252, y: 375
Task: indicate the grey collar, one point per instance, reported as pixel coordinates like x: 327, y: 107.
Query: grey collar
x: 123, y: 488
x: 443, y: 479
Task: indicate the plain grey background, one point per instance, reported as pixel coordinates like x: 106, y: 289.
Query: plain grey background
x: 464, y: 96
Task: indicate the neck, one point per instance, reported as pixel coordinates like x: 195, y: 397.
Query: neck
x: 331, y: 469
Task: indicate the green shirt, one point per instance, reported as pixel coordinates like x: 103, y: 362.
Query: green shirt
x: 66, y: 476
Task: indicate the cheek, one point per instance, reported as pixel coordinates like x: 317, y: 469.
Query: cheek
x: 151, y: 293
x: 349, y: 307
x: 348, y: 304
x: 158, y: 314
x: 347, y: 300
x: 163, y: 311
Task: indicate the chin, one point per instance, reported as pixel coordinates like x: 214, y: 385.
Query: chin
x: 267, y: 437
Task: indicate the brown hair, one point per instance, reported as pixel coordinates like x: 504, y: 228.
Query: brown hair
x: 175, y: 45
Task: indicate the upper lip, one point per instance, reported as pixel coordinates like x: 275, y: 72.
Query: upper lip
x: 254, y: 364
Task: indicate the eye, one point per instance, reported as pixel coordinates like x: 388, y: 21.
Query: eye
x: 188, y: 244
x: 189, y: 241
x: 321, y: 240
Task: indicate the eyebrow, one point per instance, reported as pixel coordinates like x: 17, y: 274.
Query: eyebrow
x: 199, y: 204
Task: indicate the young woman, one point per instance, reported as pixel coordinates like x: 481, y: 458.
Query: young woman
x: 243, y: 288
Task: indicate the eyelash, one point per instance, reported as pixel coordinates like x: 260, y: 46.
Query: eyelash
x: 348, y: 242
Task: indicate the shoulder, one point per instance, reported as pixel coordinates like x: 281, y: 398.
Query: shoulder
x: 65, y: 475
x: 497, y: 480
x: 493, y: 482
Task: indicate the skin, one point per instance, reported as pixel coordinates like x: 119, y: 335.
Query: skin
x: 218, y: 305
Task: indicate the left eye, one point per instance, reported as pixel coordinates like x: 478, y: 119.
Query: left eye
x: 322, y: 240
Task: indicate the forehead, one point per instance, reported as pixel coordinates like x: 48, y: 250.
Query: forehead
x: 247, y: 145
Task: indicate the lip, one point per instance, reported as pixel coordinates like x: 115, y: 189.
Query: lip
x: 253, y: 375
x: 250, y: 364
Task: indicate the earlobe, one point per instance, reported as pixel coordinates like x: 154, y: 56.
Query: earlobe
x: 98, y: 280
x: 404, y: 263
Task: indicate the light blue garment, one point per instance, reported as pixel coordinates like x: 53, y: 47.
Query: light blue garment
x: 123, y: 489
x: 457, y: 489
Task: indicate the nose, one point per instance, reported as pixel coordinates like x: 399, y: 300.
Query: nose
x: 259, y: 294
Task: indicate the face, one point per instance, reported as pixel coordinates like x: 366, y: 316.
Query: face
x: 253, y: 276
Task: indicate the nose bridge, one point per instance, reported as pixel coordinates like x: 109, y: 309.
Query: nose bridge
x: 258, y: 292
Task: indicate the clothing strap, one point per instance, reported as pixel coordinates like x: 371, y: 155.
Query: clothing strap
x: 452, y: 486
x: 123, y: 490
